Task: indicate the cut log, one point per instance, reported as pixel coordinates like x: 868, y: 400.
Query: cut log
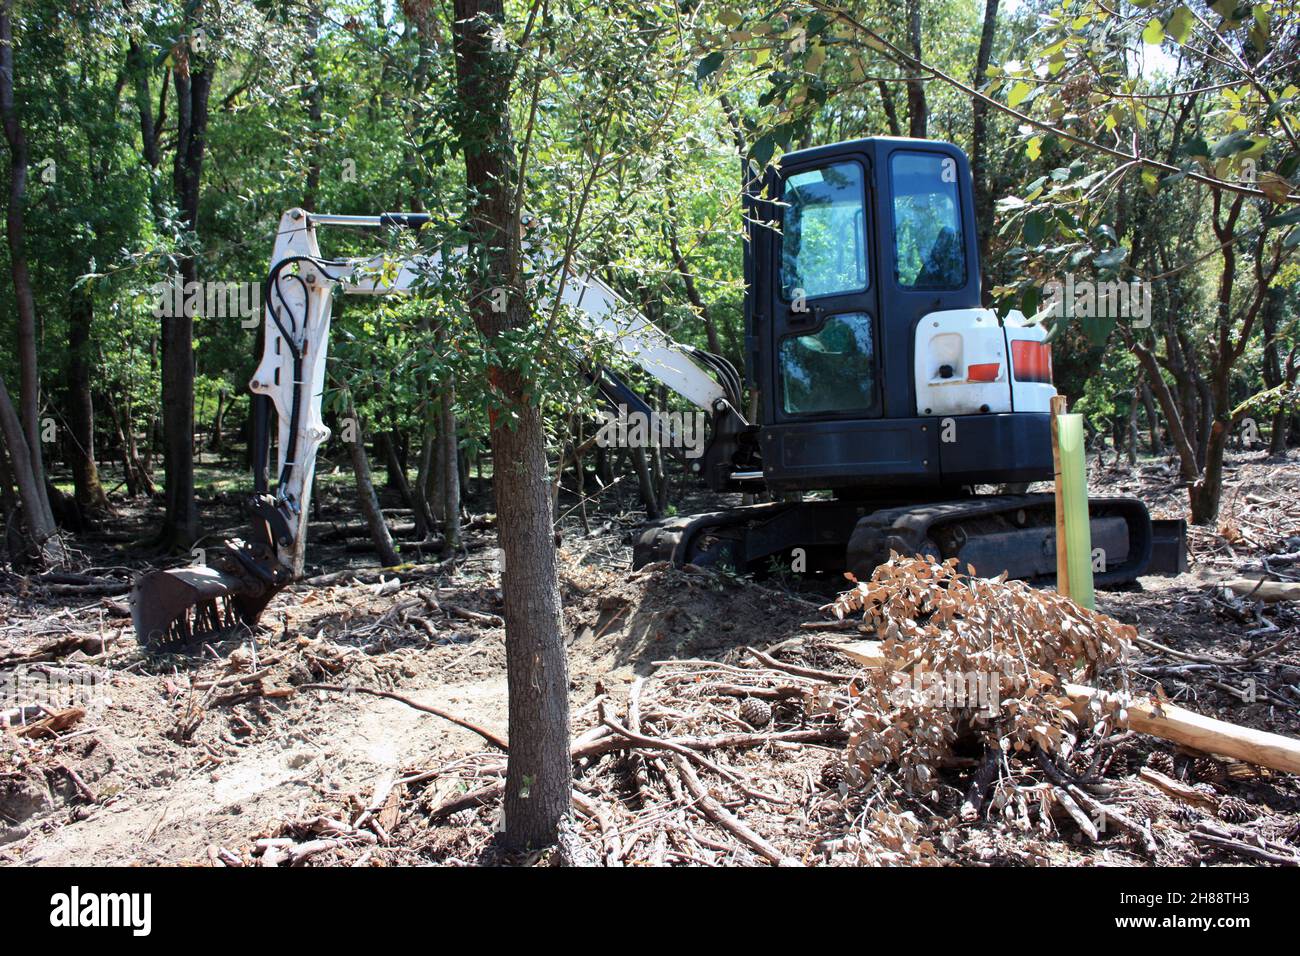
x: 1198, y: 732
x: 866, y: 653
x: 1259, y: 747
x: 1267, y: 591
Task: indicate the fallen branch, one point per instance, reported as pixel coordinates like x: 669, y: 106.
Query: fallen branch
x: 492, y: 738
x: 1262, y: 590
x: 1179, y: 790
x: 719, y: 815
x: 1217, y: 838
x: 795, y: 669
x: 1196, y: 731
x: 50, y: 725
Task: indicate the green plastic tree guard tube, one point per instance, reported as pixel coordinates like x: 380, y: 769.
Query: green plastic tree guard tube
x: 1074, y: 492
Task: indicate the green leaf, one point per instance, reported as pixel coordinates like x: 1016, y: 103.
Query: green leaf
x: 1288, y: 218
x: 1180, y: 24
x: 1111, y: 258
x: 709, y: 65
x: 1098, y: 329
x: 1154, y: 33
x: 1034, y: 229
x: 762, y: 150
x: 1034, y: 148
x: 1018, y: 93
x: 1196, y: 147
x: 1232, y: 144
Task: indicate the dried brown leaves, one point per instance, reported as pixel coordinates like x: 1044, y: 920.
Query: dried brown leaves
x: 967, y: 657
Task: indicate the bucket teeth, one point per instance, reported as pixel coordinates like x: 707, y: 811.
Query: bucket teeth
x: 171, y: 609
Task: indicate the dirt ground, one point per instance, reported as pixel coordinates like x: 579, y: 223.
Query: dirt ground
x: 224, y: 755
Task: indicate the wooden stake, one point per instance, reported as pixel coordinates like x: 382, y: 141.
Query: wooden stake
x: 1059, y: 407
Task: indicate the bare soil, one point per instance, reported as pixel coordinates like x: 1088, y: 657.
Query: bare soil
x: 218, y: 755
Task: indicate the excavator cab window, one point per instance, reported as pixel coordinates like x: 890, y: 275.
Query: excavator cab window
x: 823, y: 249
x: 827, y: 367
x: 928, y: 249
x: 832, y: 370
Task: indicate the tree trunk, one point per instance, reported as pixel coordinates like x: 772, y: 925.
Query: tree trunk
x: 41, y: 534
x: 891, y: 112
x: 688, y: 278
x: 1173, y: 418
x: 81, y: 407
x: 366, y: 497
x: 30, y: 458
x: 396, y: 473
x: 217, y: 439
x: 982, y: 186
x: 1206, y: 494
x: 1274, y: 376
x: 539, y: 777
x: 917, y: 112
x: 449, y: 461
x: 1155, y: 444
x: 645, y: 484
x: 180, y: 529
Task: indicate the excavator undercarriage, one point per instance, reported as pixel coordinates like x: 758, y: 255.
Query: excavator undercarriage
x: 993, y: 534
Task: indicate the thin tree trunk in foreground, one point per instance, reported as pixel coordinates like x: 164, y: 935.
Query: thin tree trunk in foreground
x: 539, y: 777
x: 81, y: 411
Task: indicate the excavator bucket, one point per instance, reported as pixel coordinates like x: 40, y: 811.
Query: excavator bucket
x: 174, y: 608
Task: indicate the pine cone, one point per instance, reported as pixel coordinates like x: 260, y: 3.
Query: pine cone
x: 1209, y: 770
x: 1146, y: 808
x: 1185, y: 814
x: 462, y: 818
x: 755, y: 712
x: 1235, y: 810
x: 832, y: 774
x: 1118, y: 765
x: 1080, y: 763
x: 1161, y: 761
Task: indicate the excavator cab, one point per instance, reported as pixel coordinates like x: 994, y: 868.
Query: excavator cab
x: 882, y: 380
x: 865, y: 338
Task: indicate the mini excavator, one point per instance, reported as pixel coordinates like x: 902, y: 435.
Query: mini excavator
x: 888, y: 398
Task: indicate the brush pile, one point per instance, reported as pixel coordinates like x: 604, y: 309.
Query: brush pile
x: 797, y: 756
x: 964, y: 658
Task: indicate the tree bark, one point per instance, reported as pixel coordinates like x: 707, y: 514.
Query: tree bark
x: 367, y: 499
x: 29, y: 370
x: 982, y: 187
x: 41, y: 533
x: 688, y: 278
x: 538, y: 790
x: 449, y: 461
x: 891, y: 112
x: 1173, y: 418
x: 180, y: 529
x: 81, y: 405
x: 917, y: 111
x: 1155, y: 445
